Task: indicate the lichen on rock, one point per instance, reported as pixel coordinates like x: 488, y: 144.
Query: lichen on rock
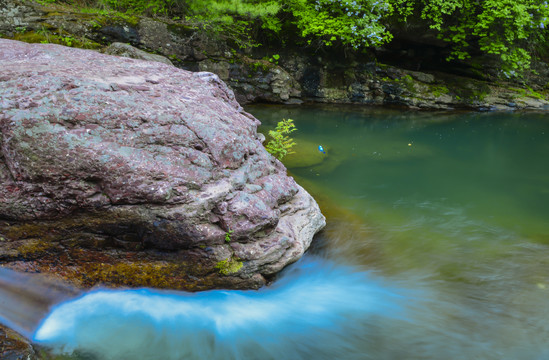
x: 142, y: 161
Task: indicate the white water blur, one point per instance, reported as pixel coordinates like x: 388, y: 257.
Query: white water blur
x: 316, y: 310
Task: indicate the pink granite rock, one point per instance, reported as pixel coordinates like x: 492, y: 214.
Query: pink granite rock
x: 117, y: 154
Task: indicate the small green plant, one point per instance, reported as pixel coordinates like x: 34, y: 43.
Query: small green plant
x: 174, y: 58
x: 260, y: 65
x: 228, y: 236
x: 44, y: 33
x: 281, y: 144
x: 533, y: 93
x: 438, y: 91
x: 528, y: 92
x: 21, y: 29
x: 274, y: 59
x: 68, y: 40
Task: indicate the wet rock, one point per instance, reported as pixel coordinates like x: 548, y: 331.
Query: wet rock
x: 220, y: 68
x: 262, y: 81
x: 423, y: 77
x: 133, y: 172
x: 15, y: 347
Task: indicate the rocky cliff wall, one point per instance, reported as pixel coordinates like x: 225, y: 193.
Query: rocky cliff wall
x: 295, y: 76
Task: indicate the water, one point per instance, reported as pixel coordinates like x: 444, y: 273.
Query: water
x: 437, y: 247
x: 317, y: 310
x: 456, y: 204
x: 25, y: 299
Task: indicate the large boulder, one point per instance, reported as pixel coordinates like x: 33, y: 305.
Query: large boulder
x: 123, y: 171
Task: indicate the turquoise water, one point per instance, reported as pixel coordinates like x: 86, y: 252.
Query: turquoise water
x: 436, y: 247
x: 456, y: 205
x: 303, y: 315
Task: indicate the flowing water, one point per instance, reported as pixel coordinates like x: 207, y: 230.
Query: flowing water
x: 456, y: 205
x: 436, y: 247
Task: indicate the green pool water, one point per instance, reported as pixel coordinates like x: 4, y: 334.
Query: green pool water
x: 453, y: 207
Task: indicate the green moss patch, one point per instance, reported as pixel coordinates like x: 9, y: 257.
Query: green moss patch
x: 46, y: 37
x: 228, y: 266
x: 139, y: 274
x: 35, y: 247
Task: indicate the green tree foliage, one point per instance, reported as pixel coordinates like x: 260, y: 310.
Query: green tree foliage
x: 513, y: 30
x: 140, y: 6
x: 281, y: 144
x: 356, y: 23
x: 510, y: 29
x: 237, y: 20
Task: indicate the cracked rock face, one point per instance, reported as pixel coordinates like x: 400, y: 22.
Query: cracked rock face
x: 136, y: 162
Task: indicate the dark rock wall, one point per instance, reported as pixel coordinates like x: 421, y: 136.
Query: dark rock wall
x: 297, y: 76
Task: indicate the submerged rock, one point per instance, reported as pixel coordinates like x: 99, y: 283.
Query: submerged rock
x: 305, y: 154
x: 130, y: 172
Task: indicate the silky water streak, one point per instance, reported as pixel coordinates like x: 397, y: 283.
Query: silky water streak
x: 315, y: 310
x: 25, y: 299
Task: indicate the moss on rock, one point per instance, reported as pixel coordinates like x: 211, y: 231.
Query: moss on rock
x: 65, y: 39
x: 140, y: 274
x: 14, y: 346
x: 33, y: 248
x: 229, y: 266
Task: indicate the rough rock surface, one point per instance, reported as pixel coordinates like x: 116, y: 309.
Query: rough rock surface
x: 132, y: 172
x: 127, y: 50
x: 14, y: 347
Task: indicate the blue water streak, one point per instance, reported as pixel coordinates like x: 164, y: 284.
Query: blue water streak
x: 315, y: 310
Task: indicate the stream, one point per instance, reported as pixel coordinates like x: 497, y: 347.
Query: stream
x: 436, y: 247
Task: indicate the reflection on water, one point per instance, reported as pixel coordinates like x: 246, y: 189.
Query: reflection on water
x: 437, y: 247
x: 456, y: 204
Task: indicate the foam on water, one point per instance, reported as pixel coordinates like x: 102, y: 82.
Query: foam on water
x: 315, y: 310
